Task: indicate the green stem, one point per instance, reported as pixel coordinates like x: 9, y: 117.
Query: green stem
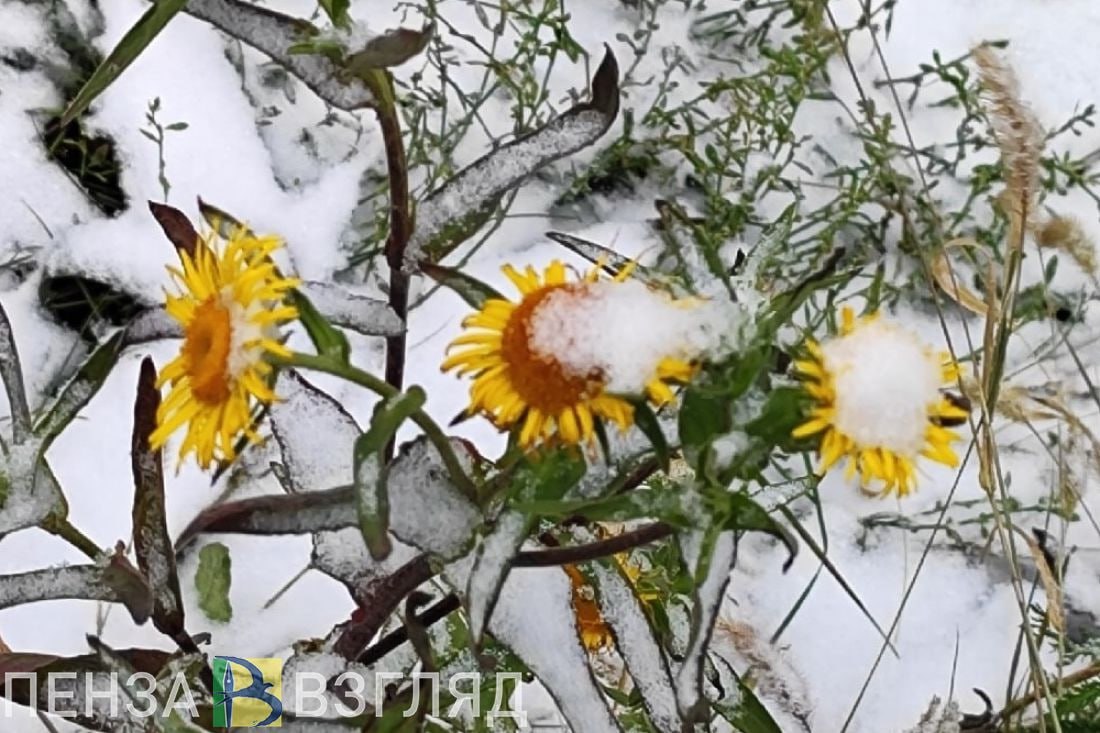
x: 386, y: 390
x: 61, y: 527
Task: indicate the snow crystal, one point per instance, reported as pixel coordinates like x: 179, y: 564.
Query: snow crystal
x: 623, y: 330
x: 534, y: 617
x: 426, y: 510
x: 885, y: 380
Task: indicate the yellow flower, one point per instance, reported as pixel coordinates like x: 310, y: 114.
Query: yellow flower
x: 593, y: 629
x: 230, y: 307
x: 879, y: 402
x: 594, y: 632
x: 516, y: 382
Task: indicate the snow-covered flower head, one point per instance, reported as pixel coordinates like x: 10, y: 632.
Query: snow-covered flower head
x: 560, y: 358
x: 231, y: 306
x: 879, y: 402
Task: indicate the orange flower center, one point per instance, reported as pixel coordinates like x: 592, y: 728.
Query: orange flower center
x: 206, y: 351
x: 540, y: 380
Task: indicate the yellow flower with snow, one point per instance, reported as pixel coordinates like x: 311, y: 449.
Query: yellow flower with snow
x: 561, y: 357
x: 232, y: 303
x: 594, y: 632
x: 879, y: 402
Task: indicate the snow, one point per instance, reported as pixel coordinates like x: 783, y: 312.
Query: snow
x: 426, y: 510
x: 588, y: 329
x: 534, y: 617
x: 350, y: 310
x: 483, y: 587
x: 885, y: 382
x: 648, y: 667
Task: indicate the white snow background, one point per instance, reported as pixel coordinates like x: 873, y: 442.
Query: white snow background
x: 261, y: 175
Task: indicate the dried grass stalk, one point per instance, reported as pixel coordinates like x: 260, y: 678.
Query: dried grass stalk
x: 1018, y: 132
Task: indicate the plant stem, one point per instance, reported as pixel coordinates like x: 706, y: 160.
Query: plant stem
x: 61, y: 527
x: 364, y: 379
x: 381, y: 84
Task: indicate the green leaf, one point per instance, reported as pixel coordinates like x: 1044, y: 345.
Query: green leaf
x: 12, y: 373
x: 467, y: 287
x: 647, y: 422
x: 327, y: 339
x: 337, y: 11
x: 782, y: 413
x: 392, y: 48
x: 212, y: 580
x: 669, y: 504
x: 547, y: 476
x: 739, y: 511
x: 702, y: 417
x: 370, y: 474
x: 129, y: 48
x: 80, y: 389
x: 611, y: 261
x: 749, y: 714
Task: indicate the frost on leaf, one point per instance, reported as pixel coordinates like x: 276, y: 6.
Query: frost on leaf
x: 113, y: 580
x: 274, y: 34
x: 707, y: 600
x: 427, y: 511
x: 534, y: 618
x: 490, y: 568
x: 152, y: 325
x: 455, y: 210
x: 635, y: 641
x: 316, y: 438
x: 80, y: 389
x: 11, y: 371
x: 30, y: 490
x: 359, y: 313
x: 153, y: 548
x: 301, y: 672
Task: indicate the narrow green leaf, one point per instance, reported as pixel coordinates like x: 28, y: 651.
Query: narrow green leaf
x: 668, y: 505
x: 129, y: 48
x: 337, y: 11
x: 327, y: 339
x: 611, y: 261
x: 467, y: 287
x: 212, y: 581
x: 12, y: 373
x: 80, y: 389
x: 739, y: 511
x: 749, y: 715
x: 370, y: 473
x: 816, y: 549
x: 392, y: 48
x: 647, y: 422
x: 782, y: 413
